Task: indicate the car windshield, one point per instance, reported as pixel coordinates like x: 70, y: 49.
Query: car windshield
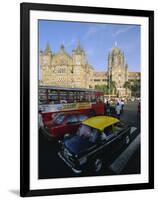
x: 59, y: 118
x: 87, y: 132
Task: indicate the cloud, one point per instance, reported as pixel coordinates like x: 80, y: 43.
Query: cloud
x: 122, y: 31
x: 95, y: 29
x: 71, y: 43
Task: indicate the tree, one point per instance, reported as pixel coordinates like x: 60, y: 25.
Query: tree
x: 102, y: 88
x: 134, y: 86
x: 110, y: 88
x: 127, y: 85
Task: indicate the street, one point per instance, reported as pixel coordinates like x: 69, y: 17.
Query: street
x: 125, y: 161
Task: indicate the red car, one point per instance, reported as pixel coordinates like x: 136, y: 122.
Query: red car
x: 64, y: 123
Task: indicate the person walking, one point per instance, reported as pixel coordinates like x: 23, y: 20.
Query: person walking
x: 138, y: 108
x: 122, y: 106
x: 107, y: 108
x: 118, y: 110
x: 40, y: 120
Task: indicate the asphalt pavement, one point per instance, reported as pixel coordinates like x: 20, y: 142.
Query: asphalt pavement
x: 51, y: 166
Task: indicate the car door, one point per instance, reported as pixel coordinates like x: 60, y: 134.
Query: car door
x: 111, y: 146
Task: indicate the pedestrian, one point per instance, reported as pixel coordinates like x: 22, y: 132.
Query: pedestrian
x: 118, y: 110
x: 138, y: 108
x: 40, y: 120
x: 107, y: 108
x: 122, y: 106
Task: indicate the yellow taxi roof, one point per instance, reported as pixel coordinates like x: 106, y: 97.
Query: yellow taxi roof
x: 100, y: 122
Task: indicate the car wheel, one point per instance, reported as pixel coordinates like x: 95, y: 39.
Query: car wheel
x: 97, y: 165
x: 127, y: 140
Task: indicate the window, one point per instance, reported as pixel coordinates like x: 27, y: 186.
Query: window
x: 63, y: 95
x: 108, y: 133
x: 82, y: 117
x: 117, y: 128
x: 72, y: 119
x: 88, y: 133
x: 59, y: 118
x: 61, y: 70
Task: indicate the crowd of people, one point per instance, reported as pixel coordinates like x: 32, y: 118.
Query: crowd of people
x: 115, y: 107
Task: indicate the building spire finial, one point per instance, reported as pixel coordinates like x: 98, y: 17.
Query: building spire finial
x: 48, y: 49
x: 115, y: 43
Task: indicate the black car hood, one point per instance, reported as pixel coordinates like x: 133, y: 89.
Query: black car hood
x: 77, y: 144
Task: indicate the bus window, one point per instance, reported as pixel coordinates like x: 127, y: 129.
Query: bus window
x: 63, y: 95
x: 53, y: 96
x: 70, y: 100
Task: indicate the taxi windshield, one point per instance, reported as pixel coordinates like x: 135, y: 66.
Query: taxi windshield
x: 87, y: 132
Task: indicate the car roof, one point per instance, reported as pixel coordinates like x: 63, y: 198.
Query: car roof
x: 100, y: 122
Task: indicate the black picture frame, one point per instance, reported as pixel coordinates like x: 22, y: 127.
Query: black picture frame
x: 25, y: 9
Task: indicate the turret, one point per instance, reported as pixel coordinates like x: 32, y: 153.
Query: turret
x: 62, y: 49
x: 78, y: 55
x: 47, y: 50
x: 46, y: 55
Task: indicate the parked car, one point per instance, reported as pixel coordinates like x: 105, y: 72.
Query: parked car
x: 93, y: 143
x: 64, y: 123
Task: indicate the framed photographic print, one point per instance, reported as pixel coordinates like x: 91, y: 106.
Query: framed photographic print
x: 87, y: 99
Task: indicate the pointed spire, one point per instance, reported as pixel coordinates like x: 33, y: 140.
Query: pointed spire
x: 78, y: 45
x: 41, y: 51
x: 79, y: 48
x: 62, y: 48
x: 47, y: 49
x: 115, y: 43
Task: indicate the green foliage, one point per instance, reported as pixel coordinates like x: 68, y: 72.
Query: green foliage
x: 127, y: 85
x: 134, y: 86
x: 102, y: 88
x: 110, y: 88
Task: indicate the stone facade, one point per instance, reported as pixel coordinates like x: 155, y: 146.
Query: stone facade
x: 73, y: 71
x: 117, y: 69
x: 99, y: 78
x: 62, y: 69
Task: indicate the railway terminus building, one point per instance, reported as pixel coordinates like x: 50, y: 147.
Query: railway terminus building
x: 74, y: 71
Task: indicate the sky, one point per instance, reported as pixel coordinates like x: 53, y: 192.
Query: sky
x: 97, y: 39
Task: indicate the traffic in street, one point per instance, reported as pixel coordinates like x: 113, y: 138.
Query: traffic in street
x: 124, y: 160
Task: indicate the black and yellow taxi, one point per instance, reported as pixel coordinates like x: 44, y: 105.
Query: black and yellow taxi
x: 96, y: 138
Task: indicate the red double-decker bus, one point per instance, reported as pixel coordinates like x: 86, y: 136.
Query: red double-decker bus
x: 59, y: 99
